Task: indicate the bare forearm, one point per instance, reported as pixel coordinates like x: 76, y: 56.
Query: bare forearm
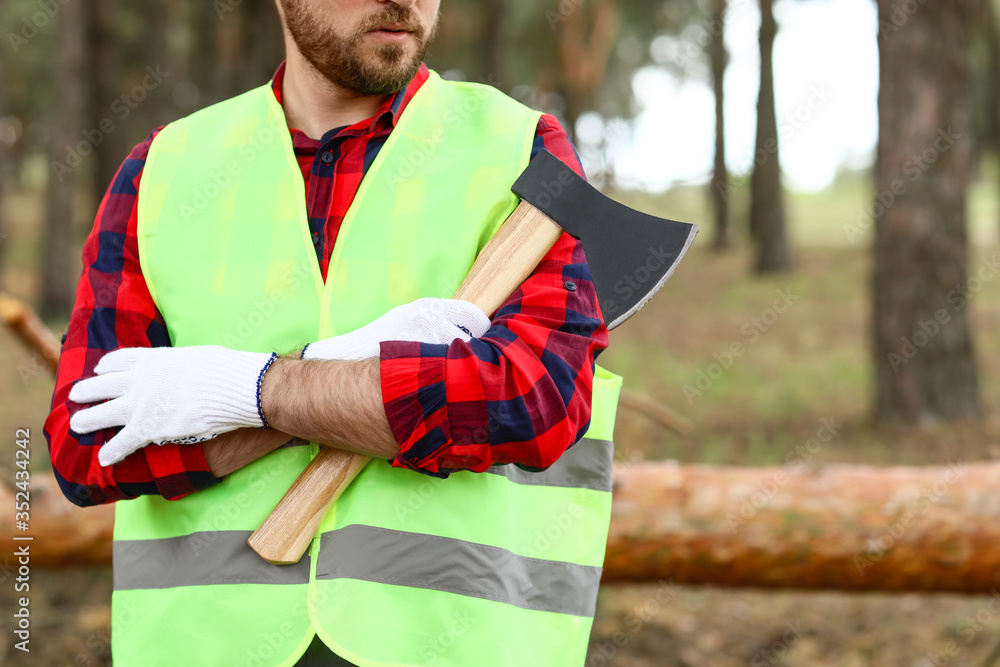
x: 337, y: 403
x: 231, y: 451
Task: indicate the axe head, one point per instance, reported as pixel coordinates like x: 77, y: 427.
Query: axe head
x: 630, y: 254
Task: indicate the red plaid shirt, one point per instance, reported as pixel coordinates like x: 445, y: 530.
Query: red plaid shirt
x: 520, y: 394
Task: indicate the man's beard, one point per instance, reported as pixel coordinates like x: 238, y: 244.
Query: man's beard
x: 379, y: 70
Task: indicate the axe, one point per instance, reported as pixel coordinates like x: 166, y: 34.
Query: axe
x: 630, y: 255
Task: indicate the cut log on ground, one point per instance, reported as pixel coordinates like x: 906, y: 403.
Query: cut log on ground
x: 844, y: 527
x: 808, y: 527
x: 64, y: 535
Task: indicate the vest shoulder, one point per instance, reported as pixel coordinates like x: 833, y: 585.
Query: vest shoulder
x: 224, y: 110
x: 488, y: 97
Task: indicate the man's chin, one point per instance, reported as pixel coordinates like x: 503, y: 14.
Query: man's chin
x: 383, y: 79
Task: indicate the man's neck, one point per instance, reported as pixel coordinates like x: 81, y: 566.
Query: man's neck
x: 315, y: 105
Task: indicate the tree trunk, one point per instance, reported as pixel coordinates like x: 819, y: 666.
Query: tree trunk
x: 585, y: 37
x: 991, y: 36
x: 105, y: 75
x: 719, y: 192
x: 767, y: 209
x: 67, y: 150
x: 263, y: 45
x: 496, y: 43
x: 204, y: 52
x: 228, y: 58
x: 824, y: 527
x: 4, y: 159
x: 923, y: 352
x: 7, y: 140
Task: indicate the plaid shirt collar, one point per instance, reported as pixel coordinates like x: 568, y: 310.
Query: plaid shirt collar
x: 384, y: 119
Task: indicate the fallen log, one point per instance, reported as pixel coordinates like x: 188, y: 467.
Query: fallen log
x: 659, y: 412
x: 23, y: 321
x: 845, y: 527
x: 63, y: 535
x: 808, y: 527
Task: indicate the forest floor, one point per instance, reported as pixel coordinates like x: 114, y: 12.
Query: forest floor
x: 808, y: 363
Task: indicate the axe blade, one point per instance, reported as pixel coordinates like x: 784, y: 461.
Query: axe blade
x: 630, y: 253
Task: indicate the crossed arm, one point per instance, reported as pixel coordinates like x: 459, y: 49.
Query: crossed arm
x: 329, y: 392
x: 301, y: 399
x: 518, y: 395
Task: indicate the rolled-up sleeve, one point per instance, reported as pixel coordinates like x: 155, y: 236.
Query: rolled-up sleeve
x: 114, y: 309
x: 521, y: 393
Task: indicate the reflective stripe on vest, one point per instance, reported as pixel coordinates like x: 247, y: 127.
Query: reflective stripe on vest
x: 476, y: 558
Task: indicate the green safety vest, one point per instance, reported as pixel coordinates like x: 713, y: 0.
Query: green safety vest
x: 496, y: 568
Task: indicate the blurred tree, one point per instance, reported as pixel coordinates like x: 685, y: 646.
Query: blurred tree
x: 585, y: 40
x: 67, y: 148
x: 987, y: 88
x: 104, y: 71
x: 767, y: 208
x: 572, y: 56
x: 718, y: 189
x: 262, y: 47
x: 7, y: 139
x: 925, y: 365
x: 496, y: 40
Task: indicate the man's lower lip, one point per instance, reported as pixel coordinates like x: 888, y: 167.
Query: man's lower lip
x: 389, y: 36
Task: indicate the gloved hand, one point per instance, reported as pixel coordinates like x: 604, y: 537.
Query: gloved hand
x: 192, y: 394
x: 425, y: 320
x: 169, y: 394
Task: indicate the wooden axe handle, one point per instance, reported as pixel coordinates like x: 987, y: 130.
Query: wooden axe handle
x: 506, y: 261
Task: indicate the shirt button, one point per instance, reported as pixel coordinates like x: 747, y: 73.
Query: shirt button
x: 570, y: 285
x: 315, y: 238
x: 326, y: 157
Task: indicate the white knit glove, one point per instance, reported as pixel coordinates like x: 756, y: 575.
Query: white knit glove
x: 424, y: 320
x: 169, y: 394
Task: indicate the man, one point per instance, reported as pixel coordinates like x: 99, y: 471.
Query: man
x: 338, y: 207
